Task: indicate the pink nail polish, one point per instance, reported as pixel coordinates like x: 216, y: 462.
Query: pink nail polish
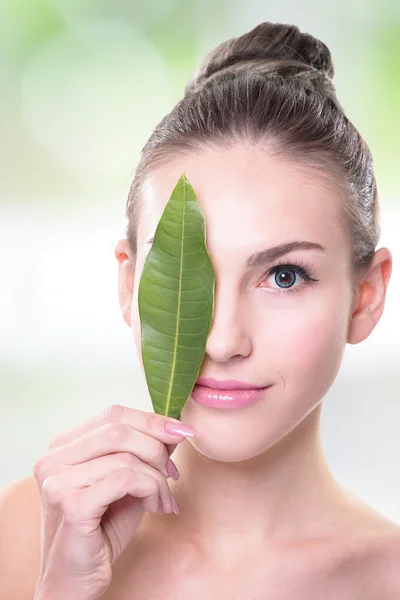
x: 179, y: 429
x: 172, y: 470
x: 175, y: 506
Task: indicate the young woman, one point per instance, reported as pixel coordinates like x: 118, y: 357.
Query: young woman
x: 288, y: 191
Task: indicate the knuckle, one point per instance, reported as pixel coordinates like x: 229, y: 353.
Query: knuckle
x: 40, y: 468
x: 116, y: 432
x: 153, y: 485
x: 124, y: 476
x: 51, y: 489
x: 127, y: 458
x: 159, y: 452
x: 112, y: 413
x: 152, y: 421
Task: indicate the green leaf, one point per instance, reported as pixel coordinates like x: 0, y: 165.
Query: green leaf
x: 176, y: 302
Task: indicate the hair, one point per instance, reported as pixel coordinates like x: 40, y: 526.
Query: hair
x: 271, y: 87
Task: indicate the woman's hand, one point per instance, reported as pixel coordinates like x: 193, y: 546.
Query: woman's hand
x: 96, y: 482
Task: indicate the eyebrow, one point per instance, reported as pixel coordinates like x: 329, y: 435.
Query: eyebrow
x: 267, y: 256
x: 271, y: 254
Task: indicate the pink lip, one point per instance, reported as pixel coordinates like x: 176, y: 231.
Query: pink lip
x: 232, y: 398
x: 226, y: 384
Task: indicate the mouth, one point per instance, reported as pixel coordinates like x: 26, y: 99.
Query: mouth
x: 227, y: 398
x: 227, y: 384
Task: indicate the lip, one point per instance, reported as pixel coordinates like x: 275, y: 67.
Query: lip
x: 226, y: 384
x: 226, y: 398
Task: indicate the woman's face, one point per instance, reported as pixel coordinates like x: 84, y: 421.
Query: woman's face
x: 268, y: 329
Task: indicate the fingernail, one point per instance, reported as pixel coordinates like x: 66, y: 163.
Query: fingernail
x: 179, y: 429
x: 172, y: 470
x: 175, y: 506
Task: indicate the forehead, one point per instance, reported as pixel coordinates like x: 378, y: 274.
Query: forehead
x: 247, y: 193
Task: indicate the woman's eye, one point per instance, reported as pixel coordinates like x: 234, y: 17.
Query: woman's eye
x: 286, y: 276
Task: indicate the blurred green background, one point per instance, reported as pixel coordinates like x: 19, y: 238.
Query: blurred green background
x: 83, y: 83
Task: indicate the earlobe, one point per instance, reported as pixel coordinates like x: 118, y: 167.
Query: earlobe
x: 126, y: 275
x: 372, y: 296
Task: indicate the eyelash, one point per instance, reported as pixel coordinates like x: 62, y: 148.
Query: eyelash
x: 299, y: 267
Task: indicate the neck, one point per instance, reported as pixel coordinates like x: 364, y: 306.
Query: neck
x: 285, y: 494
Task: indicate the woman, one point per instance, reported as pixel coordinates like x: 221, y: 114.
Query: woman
x: 287, y: 187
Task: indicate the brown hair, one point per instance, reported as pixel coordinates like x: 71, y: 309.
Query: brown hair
x: 273, y: 87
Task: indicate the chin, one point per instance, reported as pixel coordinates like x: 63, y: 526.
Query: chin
x: 228, y: 435
x: 222, y: 453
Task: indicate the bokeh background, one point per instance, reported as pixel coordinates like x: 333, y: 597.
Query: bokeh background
x: 83, y: 83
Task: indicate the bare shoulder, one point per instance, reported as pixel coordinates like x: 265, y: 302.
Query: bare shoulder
x: 384, y: 563
x: 361, y: 559
x: 382, y: 560
x: 20, y: 522
x: 19, y: 488
x: 372, y: 560
x: 21, y: 496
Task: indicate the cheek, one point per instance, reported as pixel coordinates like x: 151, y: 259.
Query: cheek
x: 309, y: 343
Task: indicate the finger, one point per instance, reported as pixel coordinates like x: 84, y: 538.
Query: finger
x: 108, y: 439
x: 87, y: 506
x: 146, y: 422
x: 82, y: 512
x: 61, y: 484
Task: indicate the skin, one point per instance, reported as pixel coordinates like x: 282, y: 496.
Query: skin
x: 261, y: 470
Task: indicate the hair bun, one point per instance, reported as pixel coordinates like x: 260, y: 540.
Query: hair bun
x: 280, y: 48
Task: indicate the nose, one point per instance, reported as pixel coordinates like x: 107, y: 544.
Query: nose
x: 228, y: 335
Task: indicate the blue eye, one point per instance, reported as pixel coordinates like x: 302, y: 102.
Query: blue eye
x: 286, y: 276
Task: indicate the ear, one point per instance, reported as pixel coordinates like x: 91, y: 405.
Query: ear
x: 126, y: 275
x: 371, y: 301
